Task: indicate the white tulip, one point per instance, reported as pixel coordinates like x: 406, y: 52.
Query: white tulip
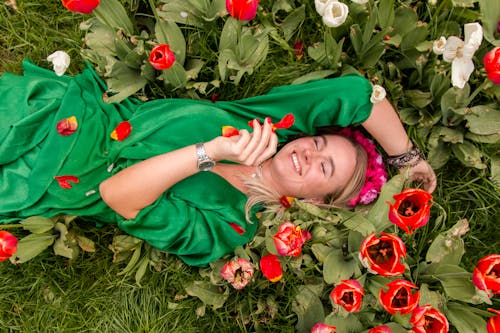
x: 438, y: 45
x: 361, y: 2
x: 335, y: 14
x: 320, y: 5
x: 460, y: 53
x: 60, y: 60
x: 378, y: 94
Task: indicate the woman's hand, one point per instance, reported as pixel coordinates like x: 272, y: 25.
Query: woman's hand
x: 245, y: 148
x: 423, y: 173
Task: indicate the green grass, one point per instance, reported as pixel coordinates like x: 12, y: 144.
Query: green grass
x: 52, y: 294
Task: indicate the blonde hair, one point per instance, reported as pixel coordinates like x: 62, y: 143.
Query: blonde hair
x: 261, y: 193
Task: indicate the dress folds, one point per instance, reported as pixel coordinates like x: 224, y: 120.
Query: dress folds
x: 195, y: 218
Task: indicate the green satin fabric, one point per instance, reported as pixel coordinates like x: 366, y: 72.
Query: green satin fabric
x: 192, y: 219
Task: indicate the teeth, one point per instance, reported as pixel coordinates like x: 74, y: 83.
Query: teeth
x: 296, y: 163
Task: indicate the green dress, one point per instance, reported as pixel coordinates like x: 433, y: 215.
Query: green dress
x: 196, y: 218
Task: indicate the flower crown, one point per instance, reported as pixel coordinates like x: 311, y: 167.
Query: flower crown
x: 376, y: 176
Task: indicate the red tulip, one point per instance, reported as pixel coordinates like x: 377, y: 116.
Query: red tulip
x: 67, y: 126
x: 238, y: 272
x: 161, y: 57
x: 121, y: 131
x: 348, y: 294
x: 81, y: 6
x: 270, y: 266
x: 382, y: 255
x: 286, y: 201
x: 8, y: 245
x: 486, y: 274
x: 380, y: 329
x: 323, y: 328
x: 244, y: 10
x: 299, y: 49
x: 289, y: 239
x: 493, y: 324
x: 491, y: 62
x: 426, y: 319
x: 399, y: 297
x: 64, y: 181
x: 411, y: 209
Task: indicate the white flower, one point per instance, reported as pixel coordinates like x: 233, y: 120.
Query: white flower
x: 438, y: 45
x: 60, y: 60
x: 321, y: 5
x: 460, y: 53
x: 361, y: 2
x: 378, y: 94
x: 335, y: 14
x: 432, y: 2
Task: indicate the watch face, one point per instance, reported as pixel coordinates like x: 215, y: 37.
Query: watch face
x: 206, y: 165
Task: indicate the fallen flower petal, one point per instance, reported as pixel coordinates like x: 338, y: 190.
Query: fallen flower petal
x: 299, y: 49
x: 64, y: 181
x: 67, y: 126
x: 60, y: 60
x: 270, y: 266
x: 229, y: 131
x: 121, y: 131
x: 8, y: 245
x: 286, y: 201
x: 236, y: 227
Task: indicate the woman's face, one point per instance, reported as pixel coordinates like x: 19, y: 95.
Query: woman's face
x: 312, y: 167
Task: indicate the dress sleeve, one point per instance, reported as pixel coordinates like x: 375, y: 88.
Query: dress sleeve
x: 198, y: 228
x: 339, y: 101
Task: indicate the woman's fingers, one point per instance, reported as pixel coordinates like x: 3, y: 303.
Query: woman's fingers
x: 262, y: 144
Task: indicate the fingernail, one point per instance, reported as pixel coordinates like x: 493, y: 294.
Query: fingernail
x: 268, y: 120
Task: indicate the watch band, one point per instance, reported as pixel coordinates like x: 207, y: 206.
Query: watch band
x: 205, y: 163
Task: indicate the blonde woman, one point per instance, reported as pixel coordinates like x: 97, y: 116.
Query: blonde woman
x: 172, y: 179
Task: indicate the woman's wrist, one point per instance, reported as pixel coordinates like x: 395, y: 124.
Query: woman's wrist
x: 408, y: 159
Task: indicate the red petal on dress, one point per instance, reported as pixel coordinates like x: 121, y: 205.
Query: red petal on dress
x: 121, y: 131
x: 64, y: 181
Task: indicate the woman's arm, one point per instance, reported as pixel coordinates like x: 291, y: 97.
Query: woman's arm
x: 386, y: 127
x: 139, y: 185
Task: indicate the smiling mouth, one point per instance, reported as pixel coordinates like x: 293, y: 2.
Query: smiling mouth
x: 296, y: 163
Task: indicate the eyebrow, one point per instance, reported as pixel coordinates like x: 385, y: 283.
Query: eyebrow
x: 325, y: 142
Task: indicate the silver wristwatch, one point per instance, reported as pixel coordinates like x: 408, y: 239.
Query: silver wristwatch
x: 205, y: 163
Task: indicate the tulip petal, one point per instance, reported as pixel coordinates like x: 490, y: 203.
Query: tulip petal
x: 270, y: 266
x: 8, y: 245
x: 229, y: 131
x: 121, y: 131
x: 67, y: 126
x: 65, y: 181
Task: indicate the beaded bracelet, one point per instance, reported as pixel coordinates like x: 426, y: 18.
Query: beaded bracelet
x: 403, y: 160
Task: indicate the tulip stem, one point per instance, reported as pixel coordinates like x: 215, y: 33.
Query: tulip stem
x: 483, y: 85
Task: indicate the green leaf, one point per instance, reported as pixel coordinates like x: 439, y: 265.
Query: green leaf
x: 141, y: 269
x: 464, y: 320
x: 378, y: 214
x: 293, y: 21
x: 468, y: 154
x: 175, y: 76
x: 483, y: 119
x: 357, y: 222
x: 85, y: 244
x: 229, y: 34
x: 418, y: 98
x: 337, y: 267
x: 321, y: 251
x: 386, y: 13
x: 112, y: 14
x: 124, y: 81
x: 38, y: 224
x: 349, y: 324
x: 64, y: 246
x: 207, y: 293
x: 428, y: 296
x: 405, y: 20
x: 100, y: 39
x: 31, y: 246
x: 448, y: 247
x: 492, y: 138
x: 313, y: 76
x: 439, y: 153
x: 181, y: 11
x: 490, y: 16
x: 308, y: 308
x: 167, y: 32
